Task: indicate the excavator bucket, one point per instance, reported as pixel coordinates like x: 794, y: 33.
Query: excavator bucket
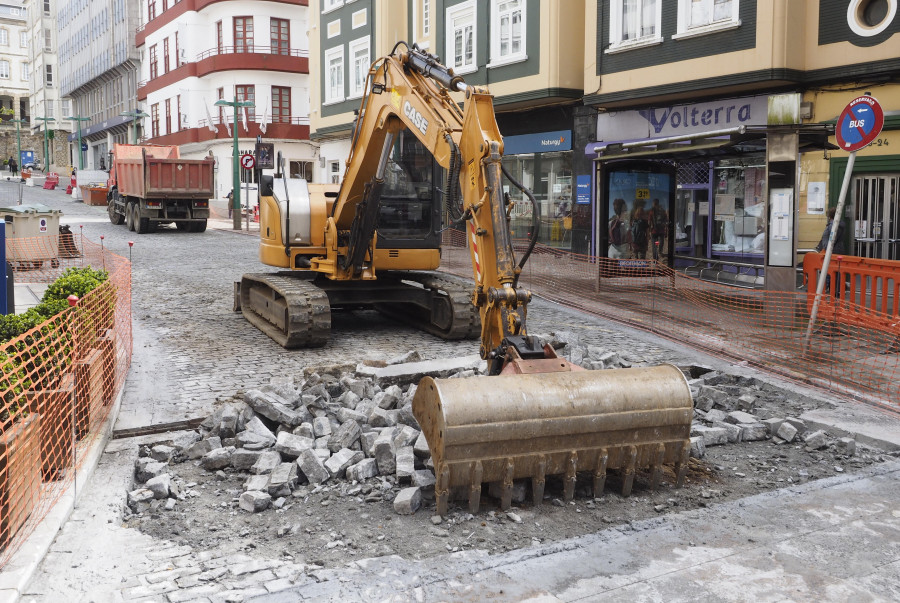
x: 507, y: 427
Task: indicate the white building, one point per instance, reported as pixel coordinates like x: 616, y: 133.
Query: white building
x: 254, y: 51
x: 98, y: 67
x: 15, y: 68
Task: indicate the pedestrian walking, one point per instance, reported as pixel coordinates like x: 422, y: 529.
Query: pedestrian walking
x: 13, y: 166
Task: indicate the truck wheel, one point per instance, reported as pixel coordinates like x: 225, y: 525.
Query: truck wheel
x: 141, y: 224
x: 114, y: 216
x: 129, y: 216
x: 198, y: 226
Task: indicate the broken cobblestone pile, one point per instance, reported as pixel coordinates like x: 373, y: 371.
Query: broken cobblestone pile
x: 335, y: 428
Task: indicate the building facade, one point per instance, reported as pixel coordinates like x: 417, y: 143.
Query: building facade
x: 514, y: 47
x: 98, y: 66
x: 197, y: 52
x: 15, y: 77
x: 693, y: 97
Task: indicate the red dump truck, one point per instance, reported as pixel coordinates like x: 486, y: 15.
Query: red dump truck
x: 150, y: 185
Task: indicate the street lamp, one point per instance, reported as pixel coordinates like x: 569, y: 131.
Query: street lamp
x: 19, y: 139
x: 78, y: 119
x: 46, y: 154
x: 134, y: 115
x: 236, y: 190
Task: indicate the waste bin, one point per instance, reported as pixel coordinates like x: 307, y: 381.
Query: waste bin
x: 32, y: 235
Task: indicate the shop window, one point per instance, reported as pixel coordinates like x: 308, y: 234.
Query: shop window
x: 461, y: 36
x: 634, y: 23
x: 508, y: 31
x: 549, y: 176
x: 302, y: 169
x: 704, y: 16
x: 738, y: 222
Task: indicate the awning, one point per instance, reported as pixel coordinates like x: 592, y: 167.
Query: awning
x: 714, y: 144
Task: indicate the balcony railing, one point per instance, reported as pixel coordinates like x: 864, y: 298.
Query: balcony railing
x: 229, y: 121
x: 242, y: 49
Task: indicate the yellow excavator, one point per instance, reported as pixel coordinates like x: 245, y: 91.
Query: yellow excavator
x: 375, y: 242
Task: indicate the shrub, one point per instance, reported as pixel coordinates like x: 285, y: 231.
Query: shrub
x: 75, y: 281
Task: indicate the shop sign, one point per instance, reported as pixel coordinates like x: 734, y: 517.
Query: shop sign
x: 583, y: 189
x: 675, y: 120
x: 542, y: 142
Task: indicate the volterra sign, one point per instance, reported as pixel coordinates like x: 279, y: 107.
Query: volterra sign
x: 675, y: 120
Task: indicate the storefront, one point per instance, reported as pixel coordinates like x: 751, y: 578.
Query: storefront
x: 715, y: 154
x: 541, y: 162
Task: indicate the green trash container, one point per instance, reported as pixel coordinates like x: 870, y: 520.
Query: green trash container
x: 32, y: 235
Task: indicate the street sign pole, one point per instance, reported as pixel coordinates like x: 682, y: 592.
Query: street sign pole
x: 858, y: 126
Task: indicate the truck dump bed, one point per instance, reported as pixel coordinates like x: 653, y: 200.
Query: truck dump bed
x: 157, y: 172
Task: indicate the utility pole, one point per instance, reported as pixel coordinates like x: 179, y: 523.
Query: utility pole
x: 236, y: 182
x: 45, y: 119
x: 78, y: 119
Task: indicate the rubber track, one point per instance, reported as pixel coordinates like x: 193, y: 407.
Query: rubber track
x: 309, y: 314
x: 466, y: 323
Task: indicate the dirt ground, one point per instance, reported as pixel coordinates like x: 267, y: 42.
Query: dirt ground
x: 329, y: 525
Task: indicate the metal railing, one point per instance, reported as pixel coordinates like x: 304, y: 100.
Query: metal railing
x: 245, y: 49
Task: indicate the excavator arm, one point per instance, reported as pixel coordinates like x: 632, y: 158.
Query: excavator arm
x: 412, y: 91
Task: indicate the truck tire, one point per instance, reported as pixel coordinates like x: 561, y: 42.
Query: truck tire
x: 114, y: 216
x: 142, y: 225
x: 198, y: 226
x: 129, y: 216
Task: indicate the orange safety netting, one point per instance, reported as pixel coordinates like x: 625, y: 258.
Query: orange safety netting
x: 853, y: 349
x: 58, y: 380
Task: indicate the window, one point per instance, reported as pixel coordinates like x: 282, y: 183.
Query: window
x: 334, y: 75
x: 23, y: 40
x: 219, y: 42
x: 634, y: 23
x: 4, y: 70
x: 508, y: 31
x: 335, y: 172
x: 328, y: 5
x: 281, y: 36
x: 181, y: 120
x: 47, y: 7
x: 153, y: 66
x: 178, y: 56
x: 48, y: 39
x: 421, y: 22
x: 48, y: 70
x: 151, y: 10
x: 281, y: 104
x: 359, y: 66
x: 247, y: 93
x: 4, y: 37
x: 243, y: 34
x: 24, y: 74
x: 168, y: 116
x: 154, y: 120
x: 461, y: 37
x: 166, y: 56
x: 220, y: 94
x: 701, y: 16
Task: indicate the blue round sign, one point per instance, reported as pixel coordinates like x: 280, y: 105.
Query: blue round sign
x: 860, y: 123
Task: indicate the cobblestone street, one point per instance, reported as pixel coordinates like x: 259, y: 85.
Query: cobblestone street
x: 192, y: 351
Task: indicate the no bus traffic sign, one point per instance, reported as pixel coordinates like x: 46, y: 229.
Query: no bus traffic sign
x: 860, y: 124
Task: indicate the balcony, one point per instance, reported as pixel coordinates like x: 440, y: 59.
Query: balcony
x: 295, y: 129
x: 176, y: 10
x: 230, y: 58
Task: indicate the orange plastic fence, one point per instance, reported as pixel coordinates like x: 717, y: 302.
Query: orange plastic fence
x: 856, y: 359
x: 58, y: 381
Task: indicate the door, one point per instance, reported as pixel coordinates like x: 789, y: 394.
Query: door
x: 876, y: 227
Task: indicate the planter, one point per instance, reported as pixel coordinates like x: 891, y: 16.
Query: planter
x: 88, y: 391
x: 57, y: 421
x: 20, y: 475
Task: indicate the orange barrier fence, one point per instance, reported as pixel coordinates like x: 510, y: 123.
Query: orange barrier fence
x: 765, y: 328
x: 59, y: 379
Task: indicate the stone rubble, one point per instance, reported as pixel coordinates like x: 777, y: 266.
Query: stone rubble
x: 357, y: 428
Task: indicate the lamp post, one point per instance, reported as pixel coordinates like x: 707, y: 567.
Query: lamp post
x: 19, y: 139
x: 134, y: 115
x: 78, y: 119
x: 236, y: 182
x: 46, y: 154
